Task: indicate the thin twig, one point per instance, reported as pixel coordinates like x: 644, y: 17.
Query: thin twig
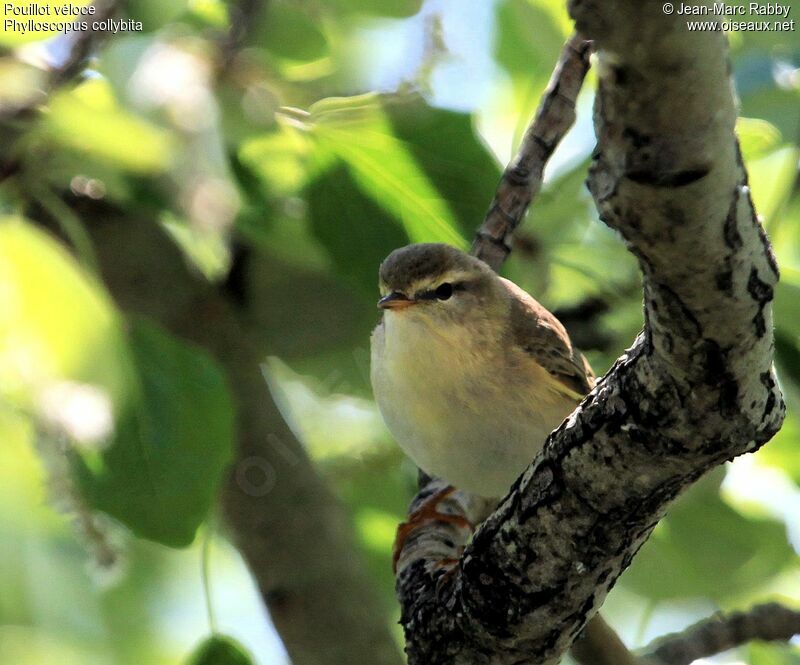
x: 770, y: 623
x: 522, y: 178
x: 83, y: 46
x: 519, y: 184
x: 442, y: 542
x: 244, y: 17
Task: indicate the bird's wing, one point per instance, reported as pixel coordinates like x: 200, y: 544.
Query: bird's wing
x: 543, y: 337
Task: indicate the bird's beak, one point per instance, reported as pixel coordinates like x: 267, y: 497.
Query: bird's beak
x: 395, y: 300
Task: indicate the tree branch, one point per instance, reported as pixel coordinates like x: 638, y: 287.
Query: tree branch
x: 769, y: 623
x: 522, y: 178
x: 695, y: 389
x: 83, y: 43
x: 599, y: 644
x: 293, y: 533
x: 244, y: 16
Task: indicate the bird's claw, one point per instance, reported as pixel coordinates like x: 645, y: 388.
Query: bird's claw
x: 428, y: 512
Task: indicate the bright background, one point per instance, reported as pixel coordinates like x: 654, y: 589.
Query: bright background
x: 157, y: 129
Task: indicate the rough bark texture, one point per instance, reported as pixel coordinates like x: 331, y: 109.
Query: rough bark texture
x: 275, y: 503
x: 522, y: 178
x: 695, y: 389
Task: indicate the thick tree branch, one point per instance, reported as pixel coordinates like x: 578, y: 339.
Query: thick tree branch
x: 769, y: 623
x: 293, y: 533
x: 695, y: 389
x: 522, y: 178
x: 275, y: 503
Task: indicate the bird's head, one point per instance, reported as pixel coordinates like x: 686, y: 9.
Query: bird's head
x: 435, y: 282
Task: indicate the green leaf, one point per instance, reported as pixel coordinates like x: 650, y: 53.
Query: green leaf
x: 757, y: 137
x: 445, y: 145
x: 787, y: 356
x: 358, y: 131
x: 356, y: 232
x: 162, y: 471
x: 528, y: 40
x: 220, y: 650
x: 786, y: 307
x: 279, y: 158
x: 87, y: 119
x: 704, y: 548
x: 390, y: 8
x: 529, y: 37
x: 771, y: 180
x: 760, y: 653
x: 155, y: 14
x: 57, y: 324
x: 781, y: 451
x: 288, y: 32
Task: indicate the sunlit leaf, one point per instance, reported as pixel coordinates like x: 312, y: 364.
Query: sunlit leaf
x: 220, y: 650
x: 279, y: 158
x: 56, y: 323
x: 205, y: 248
x: 88, y: 120
x: 760, y: 653
x: 213, y: 12
x: 760, y: 95
x: 445, y: 145
x: 771, y: 178
x: 332, y: 423
x: 358, y: 132
x: 782, y: 450
x: 162, y: 471
x: 756, y: 137
x: 529, y: 37
x: 390, y: 8
x: 20, y: 84
x: 31, y: 645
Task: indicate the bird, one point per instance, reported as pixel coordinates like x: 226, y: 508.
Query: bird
x: 469, y: 372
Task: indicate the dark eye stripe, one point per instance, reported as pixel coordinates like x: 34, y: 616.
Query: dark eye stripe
x: 432, y: 295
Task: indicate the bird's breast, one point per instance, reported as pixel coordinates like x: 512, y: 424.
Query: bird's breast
x: 462, y: 406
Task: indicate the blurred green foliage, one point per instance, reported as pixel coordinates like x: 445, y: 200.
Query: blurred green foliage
x: 272, y: 124
x: 220, y: 651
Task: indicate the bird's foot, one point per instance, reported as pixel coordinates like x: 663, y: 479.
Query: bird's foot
x: 428, y: 512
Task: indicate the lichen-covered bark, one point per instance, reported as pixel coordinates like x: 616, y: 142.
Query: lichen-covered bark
x: 695, y: 389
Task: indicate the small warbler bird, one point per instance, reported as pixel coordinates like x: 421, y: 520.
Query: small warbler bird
x: 469, y: 372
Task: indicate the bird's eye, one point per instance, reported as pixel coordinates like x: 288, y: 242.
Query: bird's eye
x: 444, y: 291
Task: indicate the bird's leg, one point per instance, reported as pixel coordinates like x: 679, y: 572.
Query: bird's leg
x: 425, y: 514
